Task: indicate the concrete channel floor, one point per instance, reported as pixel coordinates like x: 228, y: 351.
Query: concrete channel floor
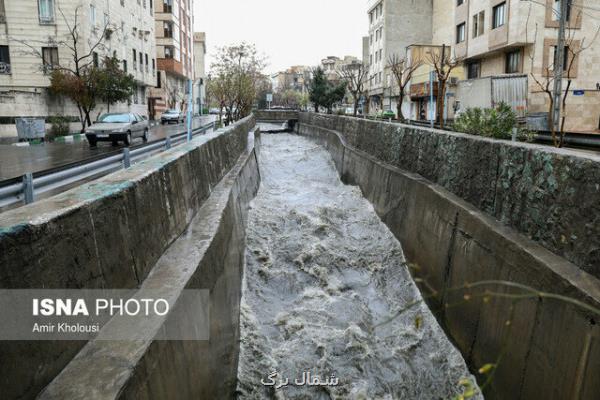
x: 322, y: 272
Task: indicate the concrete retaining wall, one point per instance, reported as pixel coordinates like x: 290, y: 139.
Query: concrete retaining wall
x: 550, y: 195
x: 110, y: 234
x: 275, y: 115
x: 550, y: 349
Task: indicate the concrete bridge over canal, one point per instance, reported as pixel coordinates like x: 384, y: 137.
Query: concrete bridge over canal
x: 502, y: 239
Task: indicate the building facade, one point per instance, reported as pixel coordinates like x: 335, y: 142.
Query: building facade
x: 393, y: 26
x: 200, y: 71
x: 504, y: 38
x: 505, y: 50
x: 31, y: 34
x: 175, y: 55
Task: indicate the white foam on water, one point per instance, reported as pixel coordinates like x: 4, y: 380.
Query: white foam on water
x: 322, y: 271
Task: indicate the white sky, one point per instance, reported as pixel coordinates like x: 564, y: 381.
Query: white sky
x: 288, y: 32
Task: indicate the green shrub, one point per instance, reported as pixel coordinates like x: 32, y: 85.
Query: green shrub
x: 60, y: 127
x: 490, y: 122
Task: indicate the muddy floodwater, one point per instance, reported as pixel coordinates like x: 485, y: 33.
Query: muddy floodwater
x: 323, y: 272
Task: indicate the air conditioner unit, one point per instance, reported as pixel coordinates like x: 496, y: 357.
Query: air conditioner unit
x: 454, y: 80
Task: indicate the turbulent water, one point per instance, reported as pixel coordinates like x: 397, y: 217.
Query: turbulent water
x: 322, y: 273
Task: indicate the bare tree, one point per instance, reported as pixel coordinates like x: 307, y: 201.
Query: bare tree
x: 545, y: 79
x: 355, y: 76
x: 443, y: 64
x: 79, y: 64
x: 402, y: 71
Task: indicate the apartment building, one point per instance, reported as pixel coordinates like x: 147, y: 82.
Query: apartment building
x: 29, y: 35
x: 504, y: 38
x: 175, y: 55
x: 294, y: 78
x: 200, y: 70
x: 393, y: 26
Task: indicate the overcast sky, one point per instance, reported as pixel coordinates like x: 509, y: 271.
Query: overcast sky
x: 288, y: 32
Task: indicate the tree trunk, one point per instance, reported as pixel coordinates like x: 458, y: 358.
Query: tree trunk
x: 399, y: 106
x: 356, y: 106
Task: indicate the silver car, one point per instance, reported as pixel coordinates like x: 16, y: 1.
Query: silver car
x: 118, y: 127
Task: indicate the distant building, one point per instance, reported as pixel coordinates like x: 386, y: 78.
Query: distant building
x: 332, y: 64
x: 295, y: 78
x: 24, y: 75
x: 175, y: 55
x: 200, y: 70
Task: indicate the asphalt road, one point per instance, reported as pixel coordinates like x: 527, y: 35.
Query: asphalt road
x: 16, y: 161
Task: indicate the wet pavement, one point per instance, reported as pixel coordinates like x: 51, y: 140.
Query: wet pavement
x: 323, y: 278
x: 16, y: 161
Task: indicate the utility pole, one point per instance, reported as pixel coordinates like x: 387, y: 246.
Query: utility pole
x: 190, y: 114
x: 559, y: 65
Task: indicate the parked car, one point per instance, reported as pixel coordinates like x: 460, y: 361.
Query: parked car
x: 117, y: 127
x: 386, y: 115
x: 172, y: 116
x: 215, y: 111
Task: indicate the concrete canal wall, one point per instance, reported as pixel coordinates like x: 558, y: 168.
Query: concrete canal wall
x: 127, y: 231
x: 551, y: 348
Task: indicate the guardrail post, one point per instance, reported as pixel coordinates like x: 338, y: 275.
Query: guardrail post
x: 126, y: 158
x: 168, y: 142
x: 28, y: 189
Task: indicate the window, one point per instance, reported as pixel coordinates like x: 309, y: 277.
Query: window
x: 168, y: 29
x: 565, y: 57
x: 134, y: 60
x: 499, y: 15
x: 124, y: 65
x: 459, y: 2
x: 168, y: 52
x: 153, y: 66
x: 141, y: 61
x: 556, y: 10
x: 158, y: 80
x: 478, y: 24
x: 92, y: 14
x: 474, y: 70
x: 513, y: 62
x: 460, y: 33
x: 4, y: 60
x: 168, y: 6
x: 46, y: 10
x: 146, y: 58
x: 49, y: 58
x: 95, y: 59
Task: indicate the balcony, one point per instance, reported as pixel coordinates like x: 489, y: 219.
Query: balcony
x: 170, y: 65
x: 420, y: 90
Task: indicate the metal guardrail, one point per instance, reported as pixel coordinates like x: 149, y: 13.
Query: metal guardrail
x: 26, y: 191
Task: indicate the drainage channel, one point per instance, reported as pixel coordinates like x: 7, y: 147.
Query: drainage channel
x: 324, y: 276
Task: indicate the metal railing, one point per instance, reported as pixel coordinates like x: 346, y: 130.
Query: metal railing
x: 25, y: 192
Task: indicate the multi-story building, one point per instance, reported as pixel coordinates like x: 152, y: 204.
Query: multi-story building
x: 505, y: 49
x: 200, y: 70
x: 295, y: 78
x: 175, y: 55
x: 30, y: 34
x: 512, y: 38
x: 332, y: 65
x: 393, y: 25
